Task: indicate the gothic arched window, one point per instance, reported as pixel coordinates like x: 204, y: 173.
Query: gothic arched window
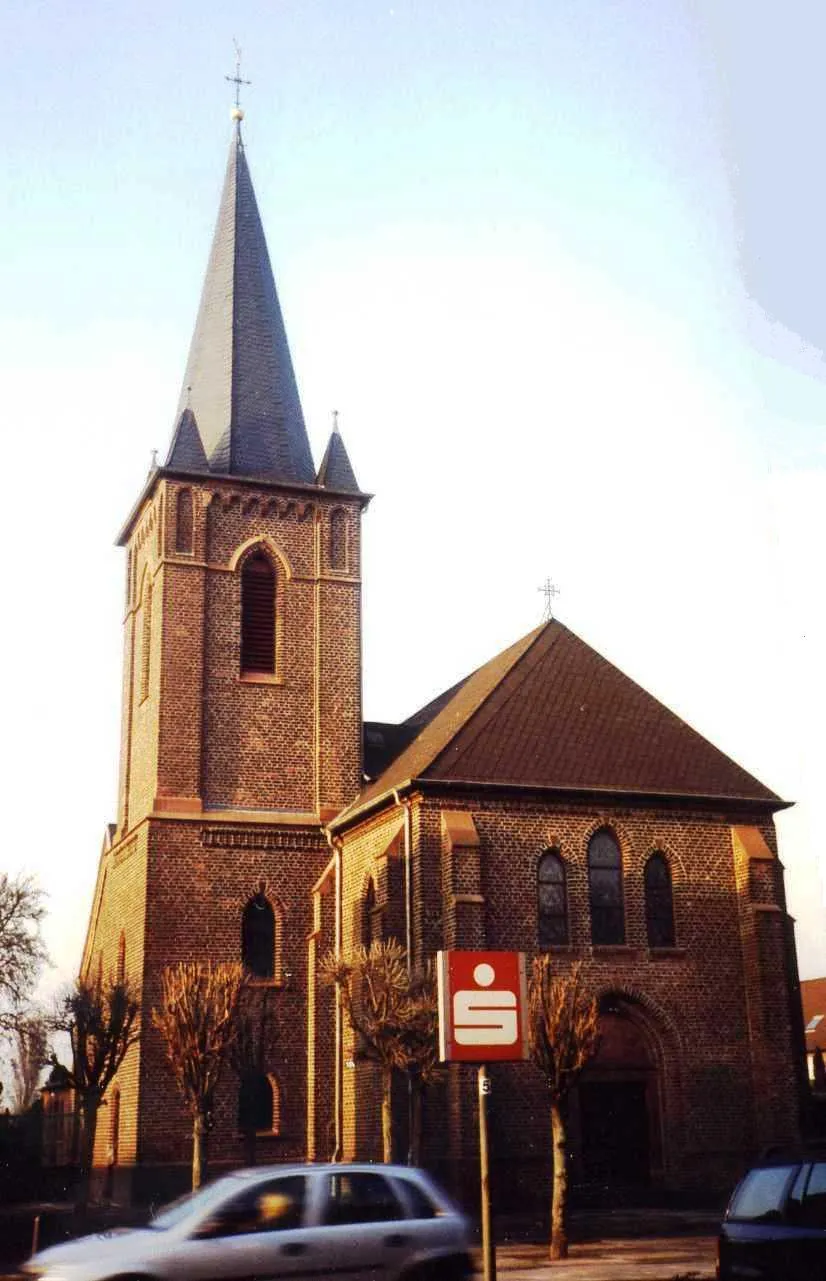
x: 258, y: 937
x: 146, y: 642
x: 114, y: 1126
x: 371, y: 925
x: 551, y: 901
x: 338, y: 539
x: 257, y: 614
x: 183, y: 521
x: 259, y: 1104
x: 605, y: 889
x: 659, y: 902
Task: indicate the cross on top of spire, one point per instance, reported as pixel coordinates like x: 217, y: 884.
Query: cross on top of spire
x: 237, y: 113
x: 549, y: 590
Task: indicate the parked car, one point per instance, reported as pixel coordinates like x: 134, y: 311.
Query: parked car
x: 775, y: 1226
x: 359, y: 1222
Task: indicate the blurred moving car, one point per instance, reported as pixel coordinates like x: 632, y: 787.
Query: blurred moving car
x: 357, y: 1222
x: 775, y: 1226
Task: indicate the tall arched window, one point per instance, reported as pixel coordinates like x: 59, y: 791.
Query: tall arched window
x: 659, y: 902
x: 338, y: 539
x: 183, y: 521
x: 259, y: 1104
x: 146, y: 642
x: 605, y: 889
x: 551, y: 901
x: 257, y: 614
x: 258, y: 937
x: 114, y: 1126
x: 370, y: 915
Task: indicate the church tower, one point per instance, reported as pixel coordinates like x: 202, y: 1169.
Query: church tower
x: 241, y: 729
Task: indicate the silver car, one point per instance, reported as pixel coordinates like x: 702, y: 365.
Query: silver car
x: 354, y: 1222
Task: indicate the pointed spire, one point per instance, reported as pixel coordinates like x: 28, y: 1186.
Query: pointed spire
x: 186, y: 453
x: 240, y: 392
x: 336, y: 471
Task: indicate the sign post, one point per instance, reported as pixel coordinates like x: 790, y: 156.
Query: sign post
x: 483, y: 1016
x: 488, y: 1247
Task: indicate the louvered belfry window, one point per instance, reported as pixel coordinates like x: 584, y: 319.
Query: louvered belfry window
x: 258, y: 615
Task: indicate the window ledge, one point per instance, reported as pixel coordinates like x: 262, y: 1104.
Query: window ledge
x: 615, y: 949
x: 667, y: 953
x: 275, y: 983
x: 260, y: 678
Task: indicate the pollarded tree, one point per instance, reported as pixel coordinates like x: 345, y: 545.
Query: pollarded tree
x: 22, y: 953
x: 199, y: 1021
x: 421, y: 1040
x: 100, y: 1017
x: 564, y: 1023
x: 248, y: 1055
x: 393, y: 1015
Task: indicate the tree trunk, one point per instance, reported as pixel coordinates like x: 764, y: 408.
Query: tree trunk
x: 88, y: 1109
x: 559, y: 1195
x: 386, y: 1114
x: 416, y: 1100
x: 199, y: 1150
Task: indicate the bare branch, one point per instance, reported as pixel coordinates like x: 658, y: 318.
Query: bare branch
x: 22, y: 953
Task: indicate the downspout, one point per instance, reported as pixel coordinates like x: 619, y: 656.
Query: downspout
x: 408, y: 895
x: 408, y: 945
x: 338, y: 1087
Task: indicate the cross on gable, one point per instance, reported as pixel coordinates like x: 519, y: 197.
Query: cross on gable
x: 549, y: 590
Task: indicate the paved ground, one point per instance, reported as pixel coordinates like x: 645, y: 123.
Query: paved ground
x: 619, y: 1245
x: 640, y: 1259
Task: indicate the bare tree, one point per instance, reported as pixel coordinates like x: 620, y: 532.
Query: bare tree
x: 100, y: 1017
x: 247, y: 1058
x: 199, y: 1020
x: 393, y: 1014
x: 31, y: 1044
x: 564, y: 1036
x: 421, y: 1038
x: 21, y: 948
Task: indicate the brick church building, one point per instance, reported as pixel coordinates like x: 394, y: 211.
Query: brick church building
x: 546, y: 802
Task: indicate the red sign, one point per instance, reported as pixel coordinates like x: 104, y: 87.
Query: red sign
x: 483, y: 1006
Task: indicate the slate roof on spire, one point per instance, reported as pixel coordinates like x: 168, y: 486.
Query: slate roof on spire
x: 239, y: 383
x: 186, y: 453
x: 550, y: 713
x: 336, y: 470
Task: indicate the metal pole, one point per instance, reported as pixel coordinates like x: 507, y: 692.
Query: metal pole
x: 488, y: 1247
x: 36, y: 1234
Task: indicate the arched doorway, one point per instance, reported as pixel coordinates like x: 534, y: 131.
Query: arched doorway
x: 619, y: 1119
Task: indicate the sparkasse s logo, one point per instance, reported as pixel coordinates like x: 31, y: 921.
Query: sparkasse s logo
x: 482, y: 1006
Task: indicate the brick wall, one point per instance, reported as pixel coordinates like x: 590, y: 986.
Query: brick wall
x: 725, y: 1081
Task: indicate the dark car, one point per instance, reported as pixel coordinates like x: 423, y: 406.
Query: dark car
x: 775, y: 1225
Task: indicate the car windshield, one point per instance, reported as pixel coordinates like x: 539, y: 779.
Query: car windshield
x: 762, y: 1194
x: 169, y: 1216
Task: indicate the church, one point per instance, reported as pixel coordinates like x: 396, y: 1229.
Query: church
x: 544, y: 803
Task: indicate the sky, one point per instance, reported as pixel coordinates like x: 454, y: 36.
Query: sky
x: 559, y: 268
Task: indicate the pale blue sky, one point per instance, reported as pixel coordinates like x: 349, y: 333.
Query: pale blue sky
x: 560, y: 268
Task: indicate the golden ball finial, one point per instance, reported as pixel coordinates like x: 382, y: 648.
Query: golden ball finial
x: 237, y: 113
